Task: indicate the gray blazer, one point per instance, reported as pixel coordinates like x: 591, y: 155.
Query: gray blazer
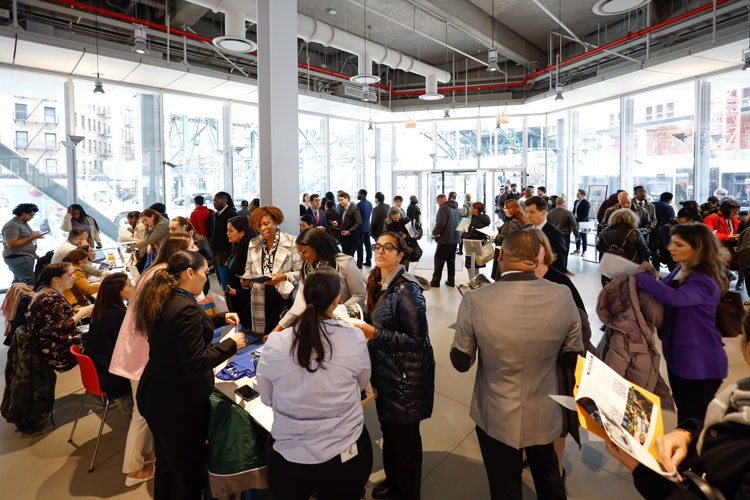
x: 518, y: 349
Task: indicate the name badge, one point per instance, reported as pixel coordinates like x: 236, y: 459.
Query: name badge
x: 349, y: 453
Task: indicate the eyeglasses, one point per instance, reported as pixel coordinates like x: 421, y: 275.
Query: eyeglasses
x: 385, y: 247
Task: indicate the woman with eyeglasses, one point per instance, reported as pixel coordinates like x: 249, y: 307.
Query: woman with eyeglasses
x: 403, y: 366
x: 318, y: 249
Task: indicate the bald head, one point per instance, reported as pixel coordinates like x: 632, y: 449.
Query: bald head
x: 623, y: 199
x: 519, y: 252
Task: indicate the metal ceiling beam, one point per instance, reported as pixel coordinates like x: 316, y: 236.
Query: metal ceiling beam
x: 468, y: 17
x: 187, y: 13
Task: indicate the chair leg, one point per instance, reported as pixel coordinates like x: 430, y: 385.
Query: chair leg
x: 99, y: 437
x: 80, y: 409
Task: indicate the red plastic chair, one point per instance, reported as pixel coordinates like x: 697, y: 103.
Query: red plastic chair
x: 90, y: 380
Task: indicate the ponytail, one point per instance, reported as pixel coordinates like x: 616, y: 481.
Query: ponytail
x: 160, y: 289
x: 322, y: 286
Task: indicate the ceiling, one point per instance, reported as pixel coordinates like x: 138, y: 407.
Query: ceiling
x: 448, y: 34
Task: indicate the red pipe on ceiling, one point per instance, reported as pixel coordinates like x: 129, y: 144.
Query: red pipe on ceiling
x: 520, y: 83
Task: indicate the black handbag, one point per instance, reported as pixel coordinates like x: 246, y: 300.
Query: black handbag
x: 729, y: 314
x: 699, y: 487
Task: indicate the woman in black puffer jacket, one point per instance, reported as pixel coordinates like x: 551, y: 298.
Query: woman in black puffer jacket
x: 403, y: 366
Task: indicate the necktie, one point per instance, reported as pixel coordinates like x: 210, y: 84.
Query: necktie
x: 317, y: 220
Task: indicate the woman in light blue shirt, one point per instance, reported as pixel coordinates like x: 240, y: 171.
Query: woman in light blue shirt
x: 312, y: 375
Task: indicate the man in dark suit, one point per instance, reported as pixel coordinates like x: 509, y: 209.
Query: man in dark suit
x: 317, y: 213
x: 379, y: 215
x: 350, y: 224
x: 220, y: 241
x: 581, y: 209
x: 536, y: 211
x: 365, y: 211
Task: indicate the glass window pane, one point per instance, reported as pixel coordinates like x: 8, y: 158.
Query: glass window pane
x: 50, y: 141
x: 456, y: 144
x: 313, y: 163
x: 729, y: 136
x: 194, y: 150
x: 383, y: 154
x: 245, y: 152
x: 49, y: 115
x: 21, y: 111
x: 22, y: 139
x: 662, y: 149
x: 415, y: 147
x: 346, y: 150
x: 596, y: 147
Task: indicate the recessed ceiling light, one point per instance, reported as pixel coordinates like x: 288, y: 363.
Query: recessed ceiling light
x: 615, y: 7
x: 332, y: 12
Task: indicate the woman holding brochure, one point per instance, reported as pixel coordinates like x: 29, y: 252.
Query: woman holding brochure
x: 714, y: 452
x: 479, y: 220
x: 692, y: 344
x: 272, y: 270
x: 178, y: 379
x: 311, y: 375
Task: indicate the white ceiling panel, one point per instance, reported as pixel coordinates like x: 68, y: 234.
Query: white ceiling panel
x: 646, y: 78
x: 194, y: 83
x: 109, y: 68
x: 249, y: 97
x: 230, y: 90
x: 731, y: 52
x: 691, y: 66
x: 36, y: 55
x: 152, y: 77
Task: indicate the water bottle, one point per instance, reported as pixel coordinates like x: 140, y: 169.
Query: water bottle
x: 111, y: 260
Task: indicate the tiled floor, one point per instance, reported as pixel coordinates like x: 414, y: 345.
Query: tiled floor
x: 48, y: 467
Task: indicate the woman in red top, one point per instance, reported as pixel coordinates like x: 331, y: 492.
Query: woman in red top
x: 725, y: 225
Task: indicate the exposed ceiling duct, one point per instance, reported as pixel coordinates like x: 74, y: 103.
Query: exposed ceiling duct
x: 313, y: 30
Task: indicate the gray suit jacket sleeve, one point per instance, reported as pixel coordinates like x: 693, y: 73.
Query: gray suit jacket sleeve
x: 464, y: 349
x: 574, y: 339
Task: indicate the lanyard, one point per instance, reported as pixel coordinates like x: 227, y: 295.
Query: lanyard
x: 185, y: 293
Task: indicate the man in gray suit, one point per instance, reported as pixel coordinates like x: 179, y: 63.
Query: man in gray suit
x: 446, y: 236
x: 519, y: 325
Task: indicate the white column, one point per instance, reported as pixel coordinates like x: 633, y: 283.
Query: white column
x: 277, y: 108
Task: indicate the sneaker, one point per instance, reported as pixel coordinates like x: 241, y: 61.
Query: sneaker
x: 575, y: 253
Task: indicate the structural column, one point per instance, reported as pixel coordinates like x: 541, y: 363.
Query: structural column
x: 277, y: 107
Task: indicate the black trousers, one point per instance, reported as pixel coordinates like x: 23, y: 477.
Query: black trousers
x: 350, y: 243
x: 331, y: 480
x: 402, y: 459
x: 364, y: 238
x: 445, y: 254
x: 692, y: 396
x: 581, y: 240
x: 503, y: 466
x: 275, y: 305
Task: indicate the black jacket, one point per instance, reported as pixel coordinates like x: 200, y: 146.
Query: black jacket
x: 219, y: 238
x: 179, y: 377
x: 477, y: 222
x: 236, y: 264
x: 99, y: 345
x: 630, y: 240
x: 557, y: 242
x: 378, y: 219
x: 446, y: 221
x: 581, y: 209
x: 403, y: 364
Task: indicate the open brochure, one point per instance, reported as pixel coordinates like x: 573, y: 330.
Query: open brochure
x: 477, y: 281
x: 613, y: 408
x: 488, y: 231
x: 613, y: 266
x: 463, y: 225
x: 348, y: 314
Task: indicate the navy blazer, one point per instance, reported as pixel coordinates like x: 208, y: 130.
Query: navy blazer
x: 321, y: 216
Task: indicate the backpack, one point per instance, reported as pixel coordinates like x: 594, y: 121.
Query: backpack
x: 41, y: 263
x: 618, y: 250
x: 210, y: 220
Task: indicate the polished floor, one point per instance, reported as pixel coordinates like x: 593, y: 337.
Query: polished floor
x: 48, y: 467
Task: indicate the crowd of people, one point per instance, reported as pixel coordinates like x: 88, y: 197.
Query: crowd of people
x: 151, y: 341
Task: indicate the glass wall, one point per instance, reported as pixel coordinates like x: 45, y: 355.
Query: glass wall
x: 729, y: 135
x: 456, y: 145
x: 245, y: 152
x: 346, y: 146
x: 194, y: 150
x: 313, y: 154
x: 383, y: 160
x: 415, y: 146
x: 594, y: 146
x: 663, y: 140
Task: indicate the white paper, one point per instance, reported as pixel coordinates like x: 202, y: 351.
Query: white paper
x: 463, y: 226
x: 223, y: 365
x: 499, y: 223
x: 488, y: 231
x: 613, y: 266
x: 565, y: 401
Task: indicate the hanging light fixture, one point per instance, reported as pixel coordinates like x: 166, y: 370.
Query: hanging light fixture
x: 140, y: 40
x: 369, y: 125
x: 492, y: 56
x: 364, y: 74
x: 558, y: 87
x: 98, y: 83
